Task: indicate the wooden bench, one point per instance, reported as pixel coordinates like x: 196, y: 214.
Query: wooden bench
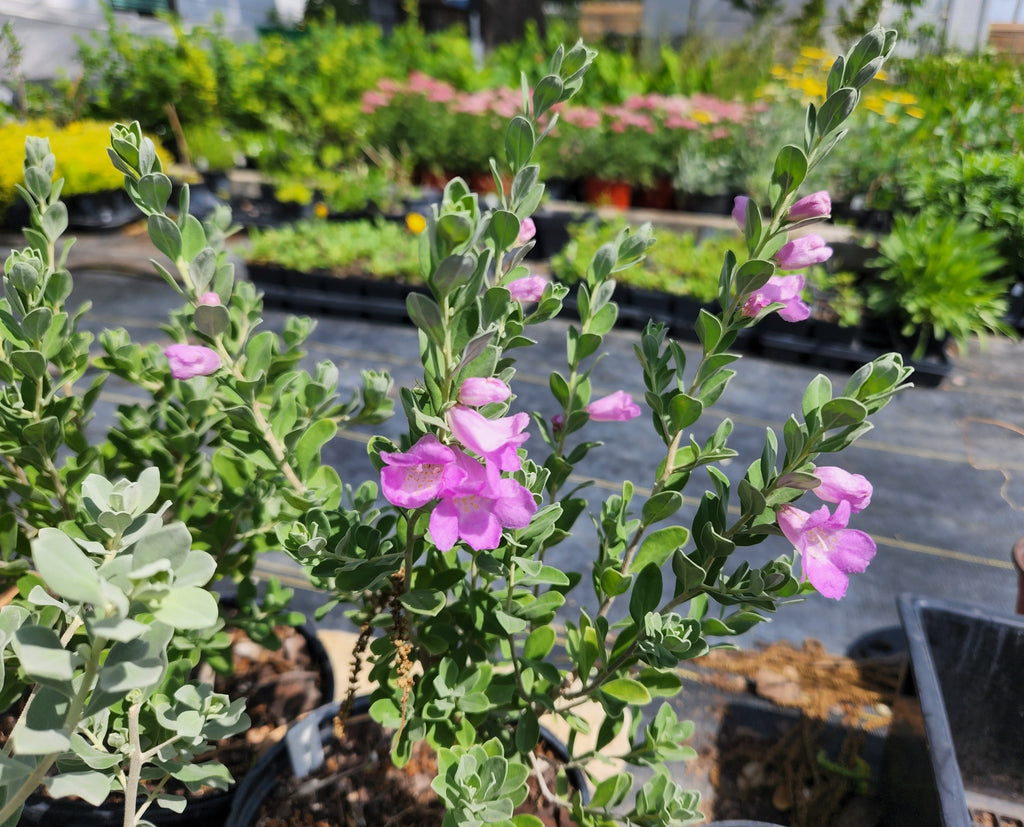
x: 598, y: 20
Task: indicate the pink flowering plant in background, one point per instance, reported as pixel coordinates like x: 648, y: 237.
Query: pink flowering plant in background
x: 447, y: 556
x: 450, y: 563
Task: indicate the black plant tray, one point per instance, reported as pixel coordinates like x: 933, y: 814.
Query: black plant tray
x: 108, y: 210
x: 353, y: 297
x: 968, y: 670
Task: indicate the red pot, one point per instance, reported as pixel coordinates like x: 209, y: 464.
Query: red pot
x: 604, y: 193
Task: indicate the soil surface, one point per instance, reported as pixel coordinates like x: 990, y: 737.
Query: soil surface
x: 359, y: 786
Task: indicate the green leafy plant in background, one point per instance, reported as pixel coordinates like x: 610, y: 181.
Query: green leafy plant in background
x: 938, y: 276
x: 678, y: 263
x: 835, y: 296
x: 985, y: 187
x: 377, y: 249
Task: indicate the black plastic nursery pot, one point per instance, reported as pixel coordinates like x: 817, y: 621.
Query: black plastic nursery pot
x: 107, y: 210
x: 968, y: 669
x: 302, y: 750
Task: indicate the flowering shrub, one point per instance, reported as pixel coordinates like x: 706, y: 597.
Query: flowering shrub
x: 447, y: 574
x: 450, y: 573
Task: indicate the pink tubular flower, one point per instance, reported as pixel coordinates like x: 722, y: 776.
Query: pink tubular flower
x: 829, y: 549
x: 209, y: 298
x: 739, y: 210
x: 187, y: 361
x: 816, y: 205
x: 527, y: 289
x: 479, y: 390
x: 478, y: 507
x: 802, y: 252
x: 527, y: 230
x: 421, y: 474
x: 782, y: 289
x: 838, y: 485
x: 616, y: 407
x: 496, y: 440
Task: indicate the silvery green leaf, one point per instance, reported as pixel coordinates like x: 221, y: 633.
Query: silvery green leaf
x: 212, y: 319
x: 120, y: 629
x: 519, y: 142
x: 155, y: 189
x: 93, y: 787
x: 40, y: 730
x: 40, y: 597
x: 193, y: 237
x: 170, y: 543
x: 42, y: 657
x: 36, y: 323
x: 165, y: 235
x: 188, y: 608
x: 426, y: 315
x: 55, y: 220
x: 65, y: 569
x: 196, y: 570
x: 31, y: 363
x: 96, y: 490
x: 138, y: 496
x: 115, y: 522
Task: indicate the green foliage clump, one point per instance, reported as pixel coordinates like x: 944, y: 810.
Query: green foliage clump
x: 373, y: 248
x: 939, y: 276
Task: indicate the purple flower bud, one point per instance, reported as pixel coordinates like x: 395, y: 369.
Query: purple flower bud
x: 739, y: 210
x: 815, y: 205
x: 187, y: 361
x: 479, y: 390
x: 527, y: 230
x: 527, y: 289
x: 802, y: 252
x: 616, y: 407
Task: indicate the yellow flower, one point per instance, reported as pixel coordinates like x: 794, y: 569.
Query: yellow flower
x: 915, y: 112
x: 415, y: 223
x: 813, y: 53
x: 701, y: 116
x: 320, y: 209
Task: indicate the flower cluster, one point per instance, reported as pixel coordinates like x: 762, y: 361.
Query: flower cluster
x: 783, y: 293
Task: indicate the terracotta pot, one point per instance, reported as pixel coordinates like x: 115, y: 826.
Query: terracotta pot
x: 604, y: 193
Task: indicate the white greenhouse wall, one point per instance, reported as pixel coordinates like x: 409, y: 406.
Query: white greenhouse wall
x: 964, y: 22
x: 47, y: 29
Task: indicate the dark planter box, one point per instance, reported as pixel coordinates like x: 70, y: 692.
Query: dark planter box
x: 109, y: 210
x: 968, y: 670
x: 348, y: 296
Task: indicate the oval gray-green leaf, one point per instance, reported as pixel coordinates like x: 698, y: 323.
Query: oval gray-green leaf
x: 188, y: 608
x: 65, y: 569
